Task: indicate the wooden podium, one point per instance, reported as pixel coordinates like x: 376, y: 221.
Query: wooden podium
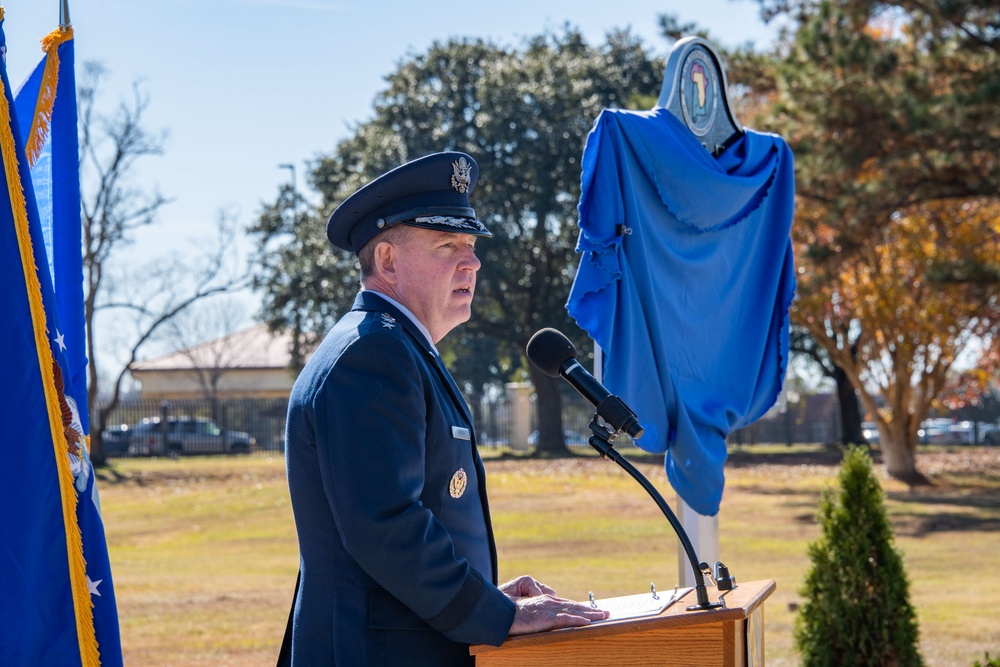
x: 732, y: 636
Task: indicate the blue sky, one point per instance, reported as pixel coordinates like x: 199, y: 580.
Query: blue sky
x: 242, y: 86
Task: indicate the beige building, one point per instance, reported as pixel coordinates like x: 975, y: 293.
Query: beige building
x: 247, y: 364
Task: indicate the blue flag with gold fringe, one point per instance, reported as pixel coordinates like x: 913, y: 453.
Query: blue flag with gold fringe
x: 58, y: 598
x: 46, y: 110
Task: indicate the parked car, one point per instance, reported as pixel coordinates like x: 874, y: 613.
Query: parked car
x: 945, y: 431
x: 185, y: 435
x: 936, y: 431
x: 972, y: 433
x: 870, y: 431
x: 962, y: 433
x: 114, y: 439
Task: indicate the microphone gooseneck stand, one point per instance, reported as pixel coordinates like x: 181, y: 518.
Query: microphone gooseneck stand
x: 601, y: 441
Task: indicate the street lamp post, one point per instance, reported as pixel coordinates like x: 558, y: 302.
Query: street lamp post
x: 291, y: 168
x: 791, y: 399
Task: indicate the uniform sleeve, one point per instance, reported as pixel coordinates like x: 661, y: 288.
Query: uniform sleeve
x: 371, y: 416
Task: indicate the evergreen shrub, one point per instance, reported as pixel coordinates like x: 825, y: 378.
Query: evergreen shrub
x: 856, y: 610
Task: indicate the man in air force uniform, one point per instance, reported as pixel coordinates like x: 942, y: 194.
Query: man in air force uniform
x: 398, y: 564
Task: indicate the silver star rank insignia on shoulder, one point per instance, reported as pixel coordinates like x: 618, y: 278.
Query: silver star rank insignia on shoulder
x: 388, y: 321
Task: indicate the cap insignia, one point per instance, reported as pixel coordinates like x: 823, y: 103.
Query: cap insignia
x: 388, y: 321
x: 462, y: 178
x: 458, y: 482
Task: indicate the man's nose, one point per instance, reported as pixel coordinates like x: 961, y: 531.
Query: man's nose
x: 471, y: 262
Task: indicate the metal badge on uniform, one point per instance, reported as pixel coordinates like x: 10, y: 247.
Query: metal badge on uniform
x: 461, y: 433
x: 388, y: 321
x: 462, y: 178
x: 458, y: 482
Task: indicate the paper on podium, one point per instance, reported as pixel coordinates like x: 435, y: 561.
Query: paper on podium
x: 638, y: 605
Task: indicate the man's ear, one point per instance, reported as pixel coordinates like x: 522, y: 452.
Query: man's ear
x: 385, y: 260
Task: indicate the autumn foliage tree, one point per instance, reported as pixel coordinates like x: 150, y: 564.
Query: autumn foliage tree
x: 909, y: 302
x: 890, y: 109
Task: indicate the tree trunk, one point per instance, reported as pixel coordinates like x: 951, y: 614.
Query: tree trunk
x: 98, y: 422
x: 899, y: 450
x: 549, y: 407
x: 98, y: 418
x: 850, y: 409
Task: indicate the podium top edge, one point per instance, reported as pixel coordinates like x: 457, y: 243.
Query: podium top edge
x: 740, y: 603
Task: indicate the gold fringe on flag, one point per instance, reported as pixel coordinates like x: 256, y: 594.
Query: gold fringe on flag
x: 82, y: 603
x: 42, y: 118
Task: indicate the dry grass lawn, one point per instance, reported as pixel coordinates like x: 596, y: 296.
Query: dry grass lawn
x: 204, y: 556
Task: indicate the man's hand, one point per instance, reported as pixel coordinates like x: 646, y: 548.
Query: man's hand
x: 547, y: 612
x: 525, y: 587
x: 539, y: 609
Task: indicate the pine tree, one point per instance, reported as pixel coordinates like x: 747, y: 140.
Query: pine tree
x: 857, y: 609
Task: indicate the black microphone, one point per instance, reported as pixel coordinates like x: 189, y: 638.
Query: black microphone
x: 553, y: 354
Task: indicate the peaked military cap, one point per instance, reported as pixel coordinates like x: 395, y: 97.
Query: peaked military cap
x: 430, y: 192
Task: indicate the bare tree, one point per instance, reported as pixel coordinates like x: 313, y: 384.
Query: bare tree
x: 163, y: 290
x: 113, y: 208
x: 203, y: 336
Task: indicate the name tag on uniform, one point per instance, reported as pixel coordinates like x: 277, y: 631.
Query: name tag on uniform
x: 461, y: 433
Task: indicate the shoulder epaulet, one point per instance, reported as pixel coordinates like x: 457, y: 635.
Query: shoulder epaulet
x: 376, y: 321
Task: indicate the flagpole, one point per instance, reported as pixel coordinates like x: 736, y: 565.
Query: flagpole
x: 64, y: 22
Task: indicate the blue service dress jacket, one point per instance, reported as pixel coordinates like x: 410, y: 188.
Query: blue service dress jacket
x: 397, y: 559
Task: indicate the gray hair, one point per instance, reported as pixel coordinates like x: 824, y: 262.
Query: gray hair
x: 366, y: 256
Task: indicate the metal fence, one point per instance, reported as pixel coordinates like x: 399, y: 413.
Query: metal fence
x: 812, y: 420
x: 133, y: 425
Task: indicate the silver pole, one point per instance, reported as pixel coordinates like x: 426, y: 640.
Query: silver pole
x: 64, y: 21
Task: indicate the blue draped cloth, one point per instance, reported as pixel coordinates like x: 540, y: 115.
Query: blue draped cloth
x: 685, y: 282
